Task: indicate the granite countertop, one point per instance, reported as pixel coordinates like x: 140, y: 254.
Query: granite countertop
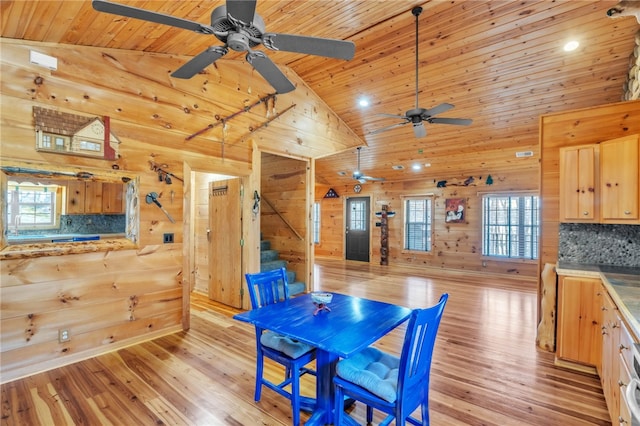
x: 623, y: 284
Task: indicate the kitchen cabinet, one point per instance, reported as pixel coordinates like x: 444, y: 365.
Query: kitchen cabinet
x: 620, y: 180
x: 579, y: 327
x: 112, y: 198
x: 579, y: 183
x: 88, y: 197
x: 617, y: 361
x: 610, y: 367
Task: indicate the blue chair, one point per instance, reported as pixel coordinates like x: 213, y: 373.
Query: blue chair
x: 266, y: 288
x: 395, y: 386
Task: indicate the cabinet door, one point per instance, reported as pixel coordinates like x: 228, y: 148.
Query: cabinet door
x: 75, y: 197
x: 619, y: 180
x: 580, y: 320
x: 112, y: 198
x: 610, y: 370
x: 93, y: 197
x: 578, y: 184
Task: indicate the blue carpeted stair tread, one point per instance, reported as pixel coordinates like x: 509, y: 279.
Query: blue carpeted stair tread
x: 270, y: 259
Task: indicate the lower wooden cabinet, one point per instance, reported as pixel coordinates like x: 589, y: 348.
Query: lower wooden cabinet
x: 610, y: 367
x: 592, y: 333
x: 579, y: 332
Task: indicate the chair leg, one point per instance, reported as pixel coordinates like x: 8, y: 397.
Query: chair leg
x: 338, y: 406
x: 425, y: 413
x: 369, y: 414
x: 259, y: 372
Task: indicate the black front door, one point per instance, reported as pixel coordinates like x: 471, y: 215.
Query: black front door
x: 357, y: 229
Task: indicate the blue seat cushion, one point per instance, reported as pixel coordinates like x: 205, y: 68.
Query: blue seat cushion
x: 374, y: 370
x: 292, y: 348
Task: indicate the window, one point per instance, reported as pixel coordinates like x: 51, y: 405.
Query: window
x: 316, y: 223
x: 417, y: 224
x: 510, y: 226
x: 32, y: 206
x: 358, y: 217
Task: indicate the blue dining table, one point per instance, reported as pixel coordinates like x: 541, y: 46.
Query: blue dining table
x: 352, y: 324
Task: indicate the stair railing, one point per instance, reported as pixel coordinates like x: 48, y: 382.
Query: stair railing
x: 282, y: 217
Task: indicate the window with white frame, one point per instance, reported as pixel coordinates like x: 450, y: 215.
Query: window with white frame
x: 316, y: 223
x: 32, y: 206
x: 510, y: 226
x: 418, y: 223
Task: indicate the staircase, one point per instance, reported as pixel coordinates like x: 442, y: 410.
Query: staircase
x: 270, y: 259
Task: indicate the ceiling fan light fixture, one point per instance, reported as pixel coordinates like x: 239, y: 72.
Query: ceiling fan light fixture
x: 417, y: 116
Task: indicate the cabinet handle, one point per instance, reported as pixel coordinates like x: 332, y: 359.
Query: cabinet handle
x: 621, y: 383
x: 585, y: 213
x: 614, y: 325
x: 622, y: 420
x: 623, y: 347
x: 627, y: 212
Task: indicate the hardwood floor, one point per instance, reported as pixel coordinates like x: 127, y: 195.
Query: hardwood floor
x: 486, y: 369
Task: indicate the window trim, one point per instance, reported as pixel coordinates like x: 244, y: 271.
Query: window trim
x: 516, y: 194
x: 404, y: 199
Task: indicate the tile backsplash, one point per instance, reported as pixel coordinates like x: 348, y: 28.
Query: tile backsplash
x: 617, y: 245
x: 86, y: 224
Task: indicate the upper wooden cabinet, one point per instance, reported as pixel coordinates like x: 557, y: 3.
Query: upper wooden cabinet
x: 619, y: 180
x: 600, y: 183
x: 579, y: 183
x: 87, y: 197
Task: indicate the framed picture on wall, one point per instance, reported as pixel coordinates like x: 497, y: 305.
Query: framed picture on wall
x: 454, y: 210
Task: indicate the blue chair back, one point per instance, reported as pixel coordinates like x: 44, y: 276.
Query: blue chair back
x: 417, y: 352
x: 266, y: 288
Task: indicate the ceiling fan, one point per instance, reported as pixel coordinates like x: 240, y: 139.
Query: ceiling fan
x: 418, y: 116
x: 240, y: 28
x: 359, y: 176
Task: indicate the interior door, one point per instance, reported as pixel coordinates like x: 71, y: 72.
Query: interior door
x: 225, y: 236
x: 357, y: 233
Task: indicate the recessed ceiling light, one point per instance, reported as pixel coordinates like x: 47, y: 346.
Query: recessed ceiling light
x: 342, y: 173
x: 427, y: 164
x: 416, y: 167
x: 398, y: 167
x: 571, y: 45
x: 363, y: 102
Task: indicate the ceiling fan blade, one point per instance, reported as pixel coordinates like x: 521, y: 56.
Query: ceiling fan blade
x: 419, y: 130
x: 374, y: 179
x: 384, y: 129
x: 393, y: 116
x: 457, y: 121
x: 270, y: 72
x: 199, y: 62
x: 242, y: 11
x: 326, y: 47
x: 438, y: 109
x: 147, y: 15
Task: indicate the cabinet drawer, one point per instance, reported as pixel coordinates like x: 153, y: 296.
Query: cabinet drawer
x: 626, y: 345
x: 624, y: 377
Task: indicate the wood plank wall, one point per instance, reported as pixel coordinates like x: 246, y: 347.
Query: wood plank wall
x: 284, y: 184
x: 455, y: 245
x: 109, y: 299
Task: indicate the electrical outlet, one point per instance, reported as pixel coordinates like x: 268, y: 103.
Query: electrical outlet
x: 168, y: 238
x: 484, y: 263
x: 63, y: 335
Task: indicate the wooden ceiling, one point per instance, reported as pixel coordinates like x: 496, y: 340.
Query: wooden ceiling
x: 500, y: 62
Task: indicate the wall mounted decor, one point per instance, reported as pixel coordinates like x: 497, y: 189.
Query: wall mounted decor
x: 71, y: 134
x: 454, y: 210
